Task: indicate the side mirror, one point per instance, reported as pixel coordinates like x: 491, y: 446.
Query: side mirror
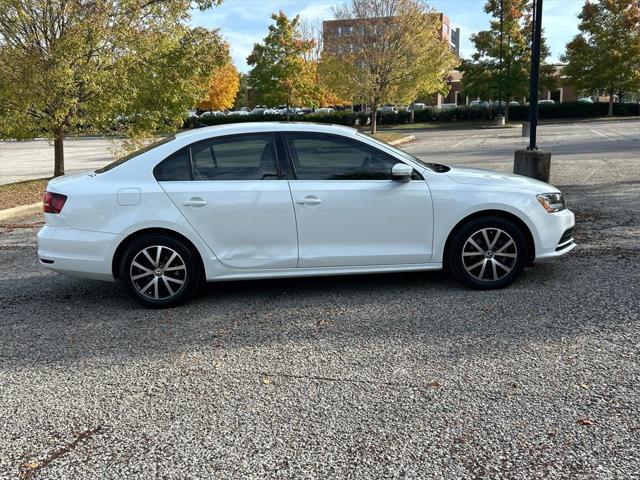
x: 401, y: 172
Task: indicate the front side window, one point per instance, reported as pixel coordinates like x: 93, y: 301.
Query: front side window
x: 242, y: 157
x: 331, y: 157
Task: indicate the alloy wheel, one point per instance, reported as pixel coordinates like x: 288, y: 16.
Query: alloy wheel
x: 489, y: 254
x: 158, y: 272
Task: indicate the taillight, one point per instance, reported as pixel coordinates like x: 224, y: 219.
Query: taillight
x: 53, y: 202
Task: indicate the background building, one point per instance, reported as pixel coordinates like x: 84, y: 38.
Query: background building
x: 335, y: 33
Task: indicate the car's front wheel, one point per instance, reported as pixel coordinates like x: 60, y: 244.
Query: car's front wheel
x: 159, y: 271
x: 487, y: 253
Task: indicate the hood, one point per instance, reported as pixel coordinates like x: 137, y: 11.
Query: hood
x: 476, y: 176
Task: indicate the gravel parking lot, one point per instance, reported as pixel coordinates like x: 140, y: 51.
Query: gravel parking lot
x: 386, y: 376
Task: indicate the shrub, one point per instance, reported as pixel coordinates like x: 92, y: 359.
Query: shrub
x: 431, y: 114
x: 338, y: 118
x: 574, y: 110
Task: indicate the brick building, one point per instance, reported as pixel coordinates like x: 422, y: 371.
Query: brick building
x: 336, y: 33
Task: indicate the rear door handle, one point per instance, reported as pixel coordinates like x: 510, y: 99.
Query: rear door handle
x: 309, y: 200
x: 195, y: 202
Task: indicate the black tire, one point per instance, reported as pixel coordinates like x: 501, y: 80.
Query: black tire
x: 500, y: 266
x: 168, y: 292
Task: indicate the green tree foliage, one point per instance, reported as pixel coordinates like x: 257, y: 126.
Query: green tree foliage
x: 70, y: 66
x: 605, y: 55
x: 484, y: 75
x: 280, y: 73
x: 393, y: 53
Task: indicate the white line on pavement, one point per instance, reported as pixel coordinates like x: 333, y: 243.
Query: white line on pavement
x: 602, y: 135
x: 462, y: 141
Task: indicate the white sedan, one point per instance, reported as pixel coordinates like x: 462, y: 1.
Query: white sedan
x: 267, y: 200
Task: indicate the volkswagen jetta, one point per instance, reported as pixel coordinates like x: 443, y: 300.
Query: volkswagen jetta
x: 266, y: 200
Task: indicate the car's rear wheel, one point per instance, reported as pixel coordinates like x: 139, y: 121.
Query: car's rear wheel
x: 487, y: 253
x: 159, y: 271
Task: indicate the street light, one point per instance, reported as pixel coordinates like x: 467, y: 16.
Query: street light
x: 535, y: 74
x: 533, y: 162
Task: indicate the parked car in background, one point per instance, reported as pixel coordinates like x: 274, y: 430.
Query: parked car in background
x: 417, y: 106
x: 275, y: 199
x: 388, y: 109
x: 258, y: 111
x: 192, y: 113
x: 585, y: 100
x: 480, y: 104
x: 448, y: 106
x: 292, y: 111
x: 212, y: 113
x: 324, y: 110
x: 239, y: 112
x: 513, y: 103
x: 546, y: 102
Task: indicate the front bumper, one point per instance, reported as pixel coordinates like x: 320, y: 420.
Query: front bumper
x: 79, y: 253
x: 556, y: 236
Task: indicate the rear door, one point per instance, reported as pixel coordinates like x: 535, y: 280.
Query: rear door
x: 235, y: 197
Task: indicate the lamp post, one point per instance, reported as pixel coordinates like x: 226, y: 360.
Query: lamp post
x: 535, y: 73
x: 533, y: 162
x: 499, y: 120
x: 500, y: 65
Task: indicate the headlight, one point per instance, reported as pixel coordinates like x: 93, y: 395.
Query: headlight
x: 551, y: 202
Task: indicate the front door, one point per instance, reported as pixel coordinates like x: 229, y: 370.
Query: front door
x: 349, y: 211
x: 236, y: 200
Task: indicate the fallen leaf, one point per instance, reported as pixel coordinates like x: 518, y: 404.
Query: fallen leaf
x: 584, y: 386
x: 585, y: 421
x: 266, y: 380
x: 435, y: 384
x: 322, y: 322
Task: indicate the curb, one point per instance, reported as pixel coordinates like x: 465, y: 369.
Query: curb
x: 20, y: 211
x: 400, y: 141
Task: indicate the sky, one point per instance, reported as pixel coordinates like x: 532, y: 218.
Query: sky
x: 244, y: 22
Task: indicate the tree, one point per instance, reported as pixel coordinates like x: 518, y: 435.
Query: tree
x: 393, y: 53
x: 280, y: 73
x: 487, y: 77
x: 73, y: 66
x: 222, y: 88
x: 242, y: 97
x: 605, y: 55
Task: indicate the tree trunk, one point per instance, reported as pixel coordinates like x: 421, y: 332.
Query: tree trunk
x: 506, y: 111
x: 288, y: 113
x: 58, y: 153
x: 610, y: 113
x: 374, y: 119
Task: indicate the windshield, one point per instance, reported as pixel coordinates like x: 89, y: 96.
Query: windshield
x: 436, y: 167
x: 128, y: 157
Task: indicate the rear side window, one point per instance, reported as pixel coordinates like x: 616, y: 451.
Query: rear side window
x: 174, y: 168
x: 242, y: 157
x: 237, y: 157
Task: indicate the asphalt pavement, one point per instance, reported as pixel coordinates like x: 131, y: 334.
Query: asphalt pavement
x: 378, y: 376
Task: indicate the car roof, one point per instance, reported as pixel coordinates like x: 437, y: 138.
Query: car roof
x: 256, y: 127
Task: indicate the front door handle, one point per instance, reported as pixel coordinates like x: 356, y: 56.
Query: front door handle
x: 309, y: 200
x: 195, y: 202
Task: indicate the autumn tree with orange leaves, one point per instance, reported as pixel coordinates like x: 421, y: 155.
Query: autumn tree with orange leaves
x: 223, y: 88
